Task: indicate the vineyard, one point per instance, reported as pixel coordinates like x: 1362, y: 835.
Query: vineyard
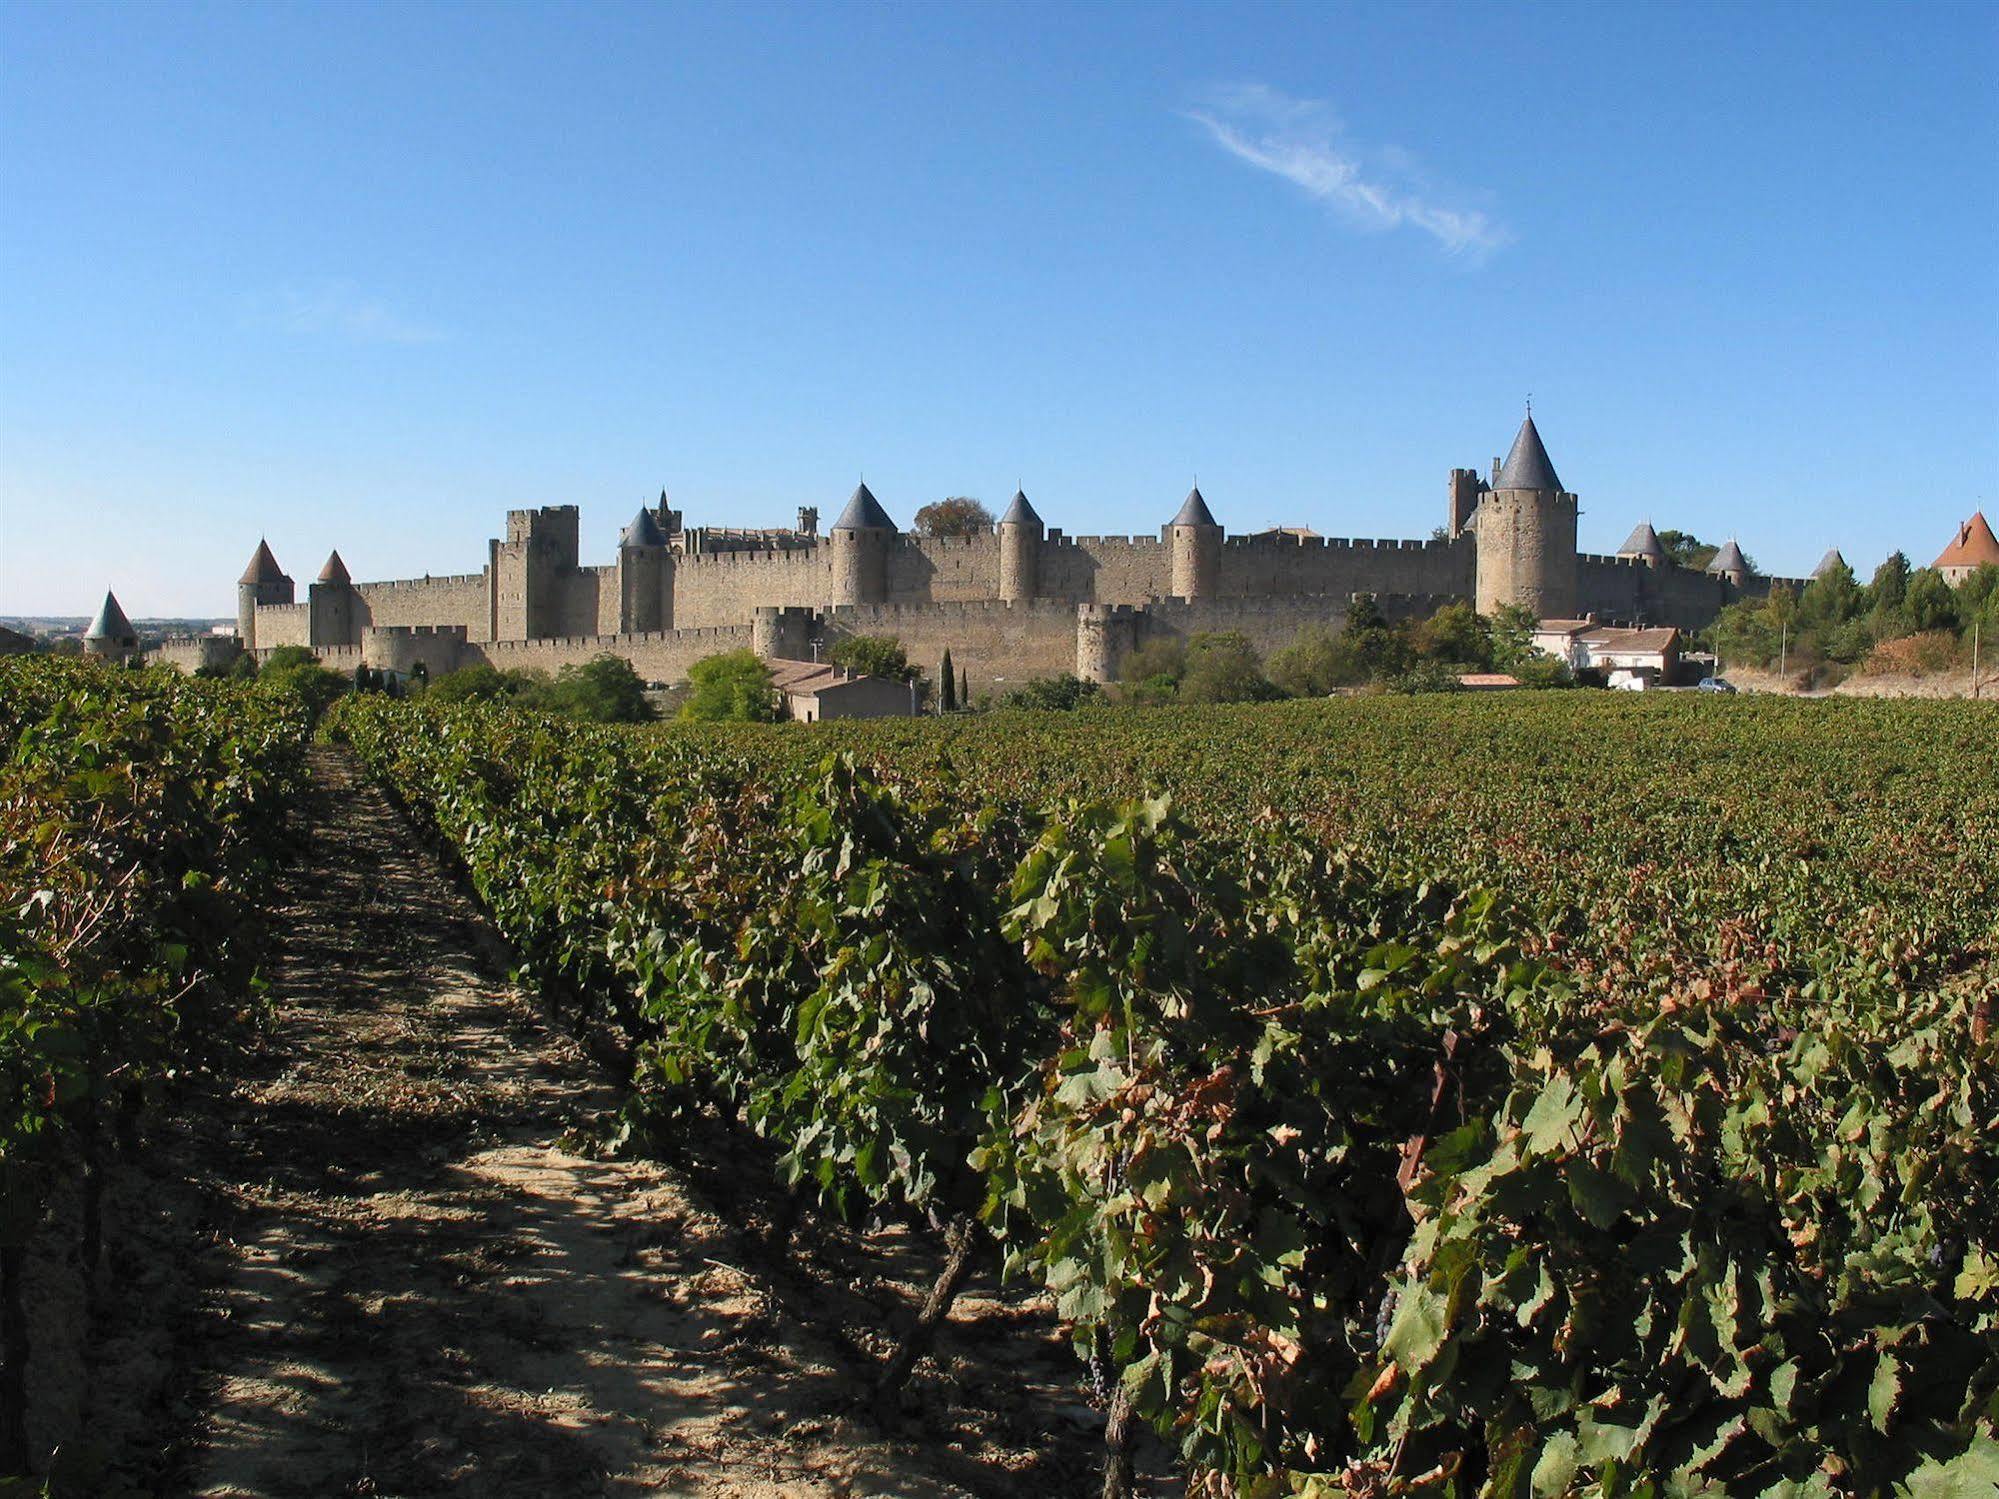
x: 139, y: 816
x: 1530, y: 1097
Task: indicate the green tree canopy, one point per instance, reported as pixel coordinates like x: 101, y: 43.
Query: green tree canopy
x: 1063, y: 692
x: 1455, y: 635
x: 732, y: 687
x: 958, y: 516
x: 1223, y: 667
x: 606, y: 690
x: 874, y: 656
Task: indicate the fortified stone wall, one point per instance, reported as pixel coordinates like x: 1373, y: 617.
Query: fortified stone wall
x: 995, y: 643
x: 1622, y: 590
x: 460, y: 599
x: 943, y: 569
x: 1267, y: 566
x: 192, y: 653
x: 1104, y: 569
x: 1272, y: 624
x: 283, y: 624
x: 656, y: 655
x: 723, y: 588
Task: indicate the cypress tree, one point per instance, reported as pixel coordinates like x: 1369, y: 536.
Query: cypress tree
x: 964, y: 688
x: 950, y: 684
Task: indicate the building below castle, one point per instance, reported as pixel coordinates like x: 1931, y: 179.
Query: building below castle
x: 1021, y: 601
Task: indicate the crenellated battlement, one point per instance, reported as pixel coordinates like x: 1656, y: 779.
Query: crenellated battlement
x: 1003, y: 600
x: 440, y: 580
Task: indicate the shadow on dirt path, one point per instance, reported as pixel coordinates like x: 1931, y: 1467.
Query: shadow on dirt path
x: 422, y: 1289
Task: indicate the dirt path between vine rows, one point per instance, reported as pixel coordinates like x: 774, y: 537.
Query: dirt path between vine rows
x: 422, y: 1284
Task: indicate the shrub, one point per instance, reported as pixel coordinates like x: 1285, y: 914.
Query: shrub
x: 605, y: 690
x: 732, y: 687
x: 873, y: 656
x: 1063, y: 692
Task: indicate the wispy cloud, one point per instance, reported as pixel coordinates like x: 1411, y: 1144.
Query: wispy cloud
x: 1380, y: 187
x: 338, y: 309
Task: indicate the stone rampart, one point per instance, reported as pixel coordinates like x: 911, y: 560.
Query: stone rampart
x: 460, y: 599
x: 656, y: 655
x: 994, y: 642
x: 722, y: 588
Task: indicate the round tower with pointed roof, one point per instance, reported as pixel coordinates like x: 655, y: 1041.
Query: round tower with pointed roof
x: 1729, y: 564
x: 1194, y: 550
x: 330, y: 612
x: 860, y: 544
x: 1526, y: 531
x: 645, y: 574
x: 1643, y: 545
x: 111, y: 635
x: 263, y: 582
x: 1020, y: 536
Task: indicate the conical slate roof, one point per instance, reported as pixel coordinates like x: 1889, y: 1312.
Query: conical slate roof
x: 1643, y: 542
x: 1831, y: 562
x: 644, y: 530
x: 263, y: 567
x: 1194, y: 512
x: 1527, y: 466
x: 1729, y: 559
x: 863, y: 513
x: 111, y: 623
x: 1020, y: 513
x: 335, y: 570
x: 1973, y: 546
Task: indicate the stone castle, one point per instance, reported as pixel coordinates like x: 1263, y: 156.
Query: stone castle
x: 1021, y: 601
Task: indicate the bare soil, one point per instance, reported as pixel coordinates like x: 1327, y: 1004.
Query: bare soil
x: 415, y: 1272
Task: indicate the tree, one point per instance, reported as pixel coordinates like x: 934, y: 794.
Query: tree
x: 732, y: 687
x: 1511, y: 631
x: 1223, y: 667
x: 1886, y: 594
x: 605, y: 690
x: 874, y: 656
x: 964, y: 688
x: 949, y: 689
x: 1152, y: 673
x: 1314, y: 663
x: 1063, y: 692
x: 1455, y: 635
x: 958, y: 516
x: 284, y: 657
x: 1930, y: 604
x: 1378, y: 648
x: 1687, y: 549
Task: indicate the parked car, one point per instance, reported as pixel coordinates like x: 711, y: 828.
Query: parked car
x: 1715, y: 684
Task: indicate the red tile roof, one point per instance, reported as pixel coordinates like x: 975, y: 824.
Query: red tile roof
x: 1973, y: 546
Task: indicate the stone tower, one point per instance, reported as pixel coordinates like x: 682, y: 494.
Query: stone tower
x: 1105, y: 635
x: 1466, y: 490
x: 1730, y: 565
x: 861, y: 539
x: 111, y: 635
x: 1194, y: 550
x: 263, y: 582
x: 645, y: 576
x: 1526, y: 530
x: 1642, y: 545
x: 528, y: 571
x: 330, y: 606
x: 1020, y: 534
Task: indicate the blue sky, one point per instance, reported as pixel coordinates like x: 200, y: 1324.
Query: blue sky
x: 370, y: 276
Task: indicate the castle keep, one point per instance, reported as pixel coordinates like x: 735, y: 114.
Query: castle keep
x: 1023, y: 600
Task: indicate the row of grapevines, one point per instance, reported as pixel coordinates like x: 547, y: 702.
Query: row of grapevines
x: 1353, y: 1183
x: 139, y: 816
